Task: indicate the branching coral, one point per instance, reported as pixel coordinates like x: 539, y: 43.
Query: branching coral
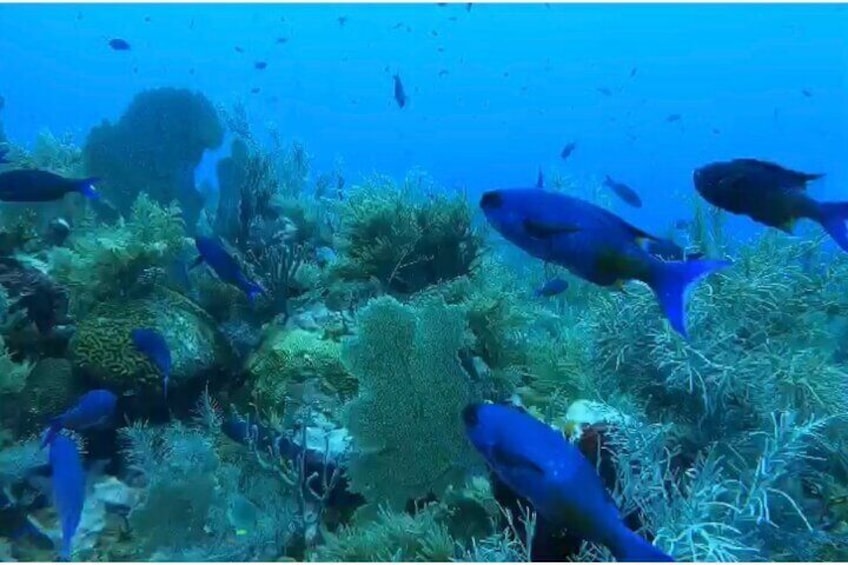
x: 106, y: 262
x: 408, y: 436
x: 405, y: 237
x: 392, y: 537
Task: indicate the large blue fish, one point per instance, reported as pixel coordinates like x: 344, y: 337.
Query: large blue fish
x: 94, y: 409
x: 770, y: 194
x: 68, y: 489
x: 593, y: 244
x: 212, y: 253
x: 539, y: 464
x: 152, y: 345
x: 32, y: 185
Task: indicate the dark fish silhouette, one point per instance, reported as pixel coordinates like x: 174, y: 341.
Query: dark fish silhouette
x: 769, y: 194
x: 540, y: 465
x: 400, y: 94
x: 567, y: 150
x: 260, y: 65
x: 623, y: 191
x: 238, y: 49
x: 593, y: 243
x: 119, y: 44
x: 152, y: 345
x: 32, y: 185
x: 673, y: 118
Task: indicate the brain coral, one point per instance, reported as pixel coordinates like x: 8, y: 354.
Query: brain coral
x: 102, y: 346
x: 406, y: 422
x: 293, y: 356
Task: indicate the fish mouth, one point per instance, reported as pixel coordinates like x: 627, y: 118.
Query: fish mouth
x: 491, y: 200
x: 470, y: 415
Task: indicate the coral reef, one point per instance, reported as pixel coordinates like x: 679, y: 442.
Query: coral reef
x: 406, y: 237
x: 154, y: 147
x: 103, y: 350
x: 32, y: 291
x: 408, y: 437
x: 293, y: 357
x: 104, y: 262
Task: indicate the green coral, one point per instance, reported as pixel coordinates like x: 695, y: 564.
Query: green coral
x: 391, y: 537
x: 289, y: 357
x: 13, y: 374
x: 103, y: 349
x: 50, y: 388
x: 102, y: 262
x: 408, y: 434
x: 408, y: 238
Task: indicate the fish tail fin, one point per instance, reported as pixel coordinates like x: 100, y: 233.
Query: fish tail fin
x: 87, y: 189
x: 832, y: 217
x: 671, y: 279
x: 50, y: 432
x: 631, y: 547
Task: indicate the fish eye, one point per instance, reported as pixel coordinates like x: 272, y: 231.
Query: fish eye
x: 470, y: 416
x: 492, y: 199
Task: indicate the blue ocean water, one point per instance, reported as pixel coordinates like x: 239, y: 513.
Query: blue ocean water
x: 331, y: 343
x: 520, y: 82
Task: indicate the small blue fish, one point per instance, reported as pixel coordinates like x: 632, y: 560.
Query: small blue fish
x: 212, y: 252
x: 553, y: 287
x: 68, y: 489
x: 539, y: 464
x: 567, y: 150
x: 152, y: 344
x: 32, y: 185
x: 119, y: 44
x: 593, y: 243
x: 94, y: 409
x: 627, y: 194
x: 400, y: 93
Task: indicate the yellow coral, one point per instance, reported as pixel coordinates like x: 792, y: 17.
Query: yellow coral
x: 294, y: 356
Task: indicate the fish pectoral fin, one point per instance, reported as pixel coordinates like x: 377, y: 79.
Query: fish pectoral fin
x: 515, y: 461
x: 545, y: 230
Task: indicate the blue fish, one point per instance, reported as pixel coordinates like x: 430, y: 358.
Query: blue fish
x: 592, y: 243
x: 553, y: 287
x: 32, y: 185
x: 627, y: 194
x: 119, y: 44
x: 771, y: 195
x: 400, y: 93
x: 151, y: 344
x: 94, y: 409
x: 68, y: 489
x: 567, y: 150
x: 539, y: 464
x: 212, y: 252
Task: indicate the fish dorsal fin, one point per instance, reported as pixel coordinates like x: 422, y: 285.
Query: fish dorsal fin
x: 545, y: 230
x: 515, y: 461
x: 790, y: 178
